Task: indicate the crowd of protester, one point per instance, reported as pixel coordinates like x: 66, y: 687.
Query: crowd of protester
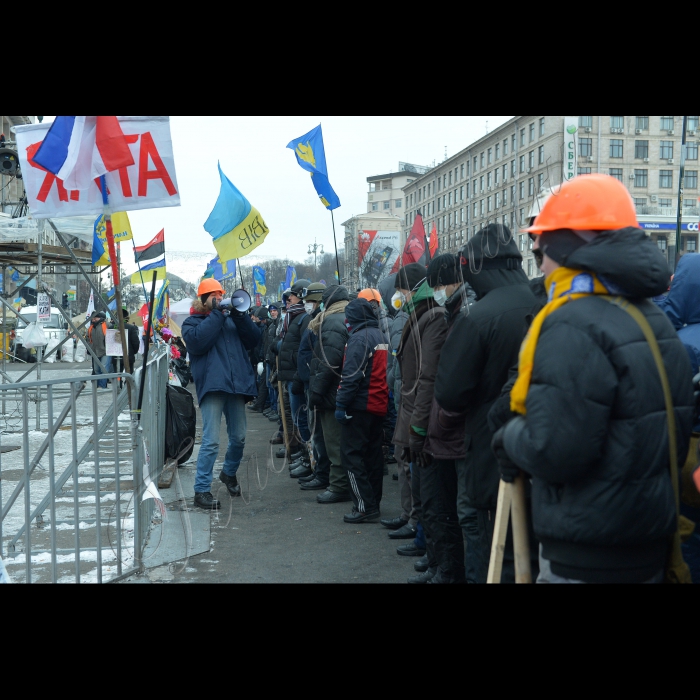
x: 461, y: 376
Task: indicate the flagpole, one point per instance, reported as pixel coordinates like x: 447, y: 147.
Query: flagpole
x: 143, y: 283
x: 240, y: 270
x: 335, y: 243
x: 116, y: 279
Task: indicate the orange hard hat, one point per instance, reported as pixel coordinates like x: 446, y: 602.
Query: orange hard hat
x: 370, y: 295
x: 208, y: 286
x: 588, y: 203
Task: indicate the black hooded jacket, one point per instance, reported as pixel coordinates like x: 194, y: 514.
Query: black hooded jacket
x: 595, y: 438
x: 483, y: 345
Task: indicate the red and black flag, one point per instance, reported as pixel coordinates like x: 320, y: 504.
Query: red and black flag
x: 152, y: 250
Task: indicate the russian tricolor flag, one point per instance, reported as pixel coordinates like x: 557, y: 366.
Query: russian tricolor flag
x: 80, y: 149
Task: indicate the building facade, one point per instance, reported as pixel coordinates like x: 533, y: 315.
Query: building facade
x: 498, y: 178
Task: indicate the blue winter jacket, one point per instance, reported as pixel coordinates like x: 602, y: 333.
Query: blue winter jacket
x: 218, y: 347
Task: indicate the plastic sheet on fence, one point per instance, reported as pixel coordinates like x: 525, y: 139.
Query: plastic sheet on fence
x: 180, y: 422
x: 27, y: 229
x: 34, y: 336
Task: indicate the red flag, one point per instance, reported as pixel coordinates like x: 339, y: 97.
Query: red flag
x: 151, y: 251
x: 414, y: 252
x: 112, y: 144
x: 434, y: 244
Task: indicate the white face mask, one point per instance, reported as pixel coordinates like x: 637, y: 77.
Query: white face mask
x: 309, y: 307
x: 398, y: 300
x: 440, y: 297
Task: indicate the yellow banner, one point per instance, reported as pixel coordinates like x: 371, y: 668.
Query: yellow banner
x: 244, y: 239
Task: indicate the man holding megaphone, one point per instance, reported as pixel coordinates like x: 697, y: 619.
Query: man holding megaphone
x: 219, y: 334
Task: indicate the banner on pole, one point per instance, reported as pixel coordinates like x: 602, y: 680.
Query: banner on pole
x: 148, y: 184
x: 43, y: 308
x: 378, y: 252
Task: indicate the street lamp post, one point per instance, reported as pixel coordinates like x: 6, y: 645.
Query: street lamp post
x: 314, y: 250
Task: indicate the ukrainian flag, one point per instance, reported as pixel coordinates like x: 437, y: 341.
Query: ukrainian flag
x: 291, y: 277
x: 145, y: 274
x: 260, y: 281
x: 122, y: 232
x: 311, y: 156
x: 236, y: 227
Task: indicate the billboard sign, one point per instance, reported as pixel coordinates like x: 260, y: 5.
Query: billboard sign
x: 378, y: 251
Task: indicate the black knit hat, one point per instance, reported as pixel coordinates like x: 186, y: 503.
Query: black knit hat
x: 443, y: 270
x: 410, y: 277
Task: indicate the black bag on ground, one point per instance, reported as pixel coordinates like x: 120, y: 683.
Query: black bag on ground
x: 183, y: 372
x: 180, y: 422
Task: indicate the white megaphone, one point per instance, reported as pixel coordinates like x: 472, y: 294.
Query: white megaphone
x: 241, y: 301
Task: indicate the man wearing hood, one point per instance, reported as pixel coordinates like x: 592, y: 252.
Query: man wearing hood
x: 592, y: 428
x: 417, y: 356
x: 361, y: 405
x: 325, y: 373
x: 218, y: 343
x: 482, y: 347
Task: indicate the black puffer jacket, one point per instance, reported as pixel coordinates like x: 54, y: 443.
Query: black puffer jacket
x: 483, y: 346
x: 290, y: 346
x: 271, y: 339
x: 595, y: 438
x: 329, y: 349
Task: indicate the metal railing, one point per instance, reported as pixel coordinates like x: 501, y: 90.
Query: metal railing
x: 71, y: 494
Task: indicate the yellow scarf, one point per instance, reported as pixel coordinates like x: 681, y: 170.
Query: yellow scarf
x: 564, y: 285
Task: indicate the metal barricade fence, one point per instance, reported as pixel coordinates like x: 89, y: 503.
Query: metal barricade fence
x: 71, y: 493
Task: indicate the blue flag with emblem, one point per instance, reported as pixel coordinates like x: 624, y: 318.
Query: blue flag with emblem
x: 161, y: 299
x: 311, y: 156
x: 221, y: 271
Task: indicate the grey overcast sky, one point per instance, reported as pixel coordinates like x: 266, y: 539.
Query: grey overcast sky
x: 253, y: 155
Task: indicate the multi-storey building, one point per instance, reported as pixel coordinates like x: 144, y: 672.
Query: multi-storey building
x: 498, y: 178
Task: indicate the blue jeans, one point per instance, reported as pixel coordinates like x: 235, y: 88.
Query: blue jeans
x: 107, y: 362
x: 272, y: 391
x: 214, y: 405
x: 299, y: 414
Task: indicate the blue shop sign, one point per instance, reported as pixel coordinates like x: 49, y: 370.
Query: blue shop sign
x: 691, y: 227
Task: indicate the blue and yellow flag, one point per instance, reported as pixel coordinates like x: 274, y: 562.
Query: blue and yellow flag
x: 162, y: 302
x: 311, y: 156
x: 291, y: 277
x: 236, y: 227
x: 259, y: 281
x: 145, y: 274
x: 122, y: 232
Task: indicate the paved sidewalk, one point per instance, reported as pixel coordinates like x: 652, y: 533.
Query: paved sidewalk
x: 279, y: 534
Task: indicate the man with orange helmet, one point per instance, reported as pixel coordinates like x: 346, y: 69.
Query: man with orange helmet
x: 592, y: 425
x: 218, y: 341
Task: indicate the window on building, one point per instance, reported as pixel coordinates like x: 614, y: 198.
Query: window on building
x: 449, y: 220
x: 514, y: 143
x: 540, y: 182
x: 666, y: 150
x: 530, y: 267
x: 616, y: 148
x: 522, y: 217
x: 439, y: 202
x: 691, y: 179
x: 531, y: 187
x: 387, y: 205
x: 505, y: 147
x: 489, y: 177
x: 585, y: 147
x: 585, y: 122
x: 665, y: 203
x: 662, y: 243
x: 482, y: 159
x: 522, y: 164
x: 532, y: 132
x: 540, y: 155
x: 522, y: 138
x: 449, y: 199
x: 667, y: 123
x: 691, y: 152
x: 531, y: 160
x: 481, y: 183
x: 616, y: 173
x: 641, y: 178
x: 398, y: 204
x: 639, y: 203
x: 450, y: 178
x: 585, y: 171
x: 505, y: 198
x: 641, y: 123
x: 496, y: 173
x: 474, y: 188
x: 641, y: 149
x: 444, y: 200
x: 476, y: 164
x: 691, y: 245
x: 665, y: 179
x: 498, y: 150
x: 476, y: 210
x: 692, y: 123
x: 461, y: 171
x: 488, y: 204
x: 490, y: 155
x: 444, y: 181
x: 522, y: 190
x: 522, y: 242
x: 505, y: 173
x: 498, y: 200
x: 617, y: 122
x: 512, y: 168
x: 481, y: 208
x: 375, y: 206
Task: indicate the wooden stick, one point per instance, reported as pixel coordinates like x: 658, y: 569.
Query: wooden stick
x: 521, y: 543
x: 500, y: 532
x: 283, y: 412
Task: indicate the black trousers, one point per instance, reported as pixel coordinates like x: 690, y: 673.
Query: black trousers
x: 261, y: 401
x: 361, y: 453
x: 440, y: 518
x: 323, y: 462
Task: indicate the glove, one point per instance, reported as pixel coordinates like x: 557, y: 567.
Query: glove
x: 406, y: 455
x: 509, y: 471
x: 416, y: 445
x: 297, y: 387
x: 342, y: 416
x: 213, y: 303
x: 315, y: 400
